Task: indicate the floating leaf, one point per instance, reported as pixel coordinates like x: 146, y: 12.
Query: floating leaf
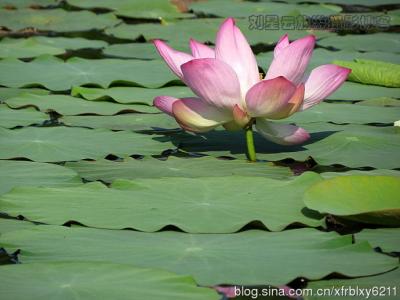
x: 357, y: 91
x: 386, y: 239
x: 130, y: 95
x: 36, y: 46
x: 89, y: 280
x: 27, y: 3
x: 373, y: 72
x: 23, y: 173
x: 380, y: 286
x: 67, y: 105
x: 245, y: 258
x: 384, y: 172
x: 346, y: 113
x: 141, y: 9
x: 52, y: 144
x: 8, y: 225
x: 349, y: 145
x: 369, y: 199
x: 57, y: 75
x: 135, y: 122
x: 55, y: 20
x: 385, y: 42
x: 204, y: 30
x: 216, y: 204
x: 223, y: 8
x: 108, y: 171
x: 6, y: 93
x: 10, y: 118
x: 382, y: 101
x: 132, y: 50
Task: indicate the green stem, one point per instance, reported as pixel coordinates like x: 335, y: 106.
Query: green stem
x: 251, y: 150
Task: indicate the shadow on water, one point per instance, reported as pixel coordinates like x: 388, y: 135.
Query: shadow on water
x: 235, y: 143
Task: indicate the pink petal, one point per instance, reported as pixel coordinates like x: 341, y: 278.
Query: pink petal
x: 282, y: 43
x: 233, y: 48
x: 200, y: 50
x: 164, y: 103
x: 322, y: 82
x: 172, y: 57
x: 292, y: 106
x: 240, y: 117
x: 213, y: 81
x: 292, y: 60
x: 283, y: 134
x: 269, y: 97
x: 196, y: 115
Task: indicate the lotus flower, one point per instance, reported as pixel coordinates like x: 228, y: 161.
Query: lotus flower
x: 230, y: 91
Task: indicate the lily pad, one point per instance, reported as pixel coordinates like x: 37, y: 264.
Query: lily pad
x: 6, y: 93
x: 109, y: 171
x: 216, y: 204
x: 323, y: 56
x: 67, y: 105
x: 204, y: 30
x: 386, y: 42
x: 55, y: 20
x: 57, y: 75
x: 27, y: 3
x: 387, y: 239
x: 245, y: 258
x: 135, y: 122
x: 85, y: 280
x: 52, y: 144
x: 142, y: 9
x: 132, y: 50
x: 36, y: 46
x: 358, y: 91
x: 130, y: 95
x: 382, y: 101
x: 369, y: 199
x: 381, y: 286
x: 349, y: 145
x: 372, y: 72
x: 24, y: 173
x: 346, y: 114
x: 10, y: 118
x: 374, y: 172
x: 223, y: 8
x: 8, y: 225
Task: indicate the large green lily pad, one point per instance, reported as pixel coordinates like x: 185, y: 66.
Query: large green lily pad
x: 346, y: 113
x: 27, y: 3
x: 323, y: 56
x: 108, y: 171
x: 369, y: 199
x: 10, y: 118
x: 55, y: 20
x: 132, y: 50
x: 215, y: 205
x: 67, y: 105
x: 382, y: 101
x: 85, y: 280
x: 385, y: 286
x: 373, y: 172
x: 387, y: 239
x: 52, y: 144
x: 6, y: 93
x: 364, y: 42
x: 350, y: 145
x: 135, y: 122
x: 358, y: 91
x: 8, y: 225
x: 36, y: 46
x: 55, y: 74
x: 204, y: 30
x: 131, y: 95
x: 373, y: 72
x: 142, y: 9
x: 245, y: 258
x: 24, y: 173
